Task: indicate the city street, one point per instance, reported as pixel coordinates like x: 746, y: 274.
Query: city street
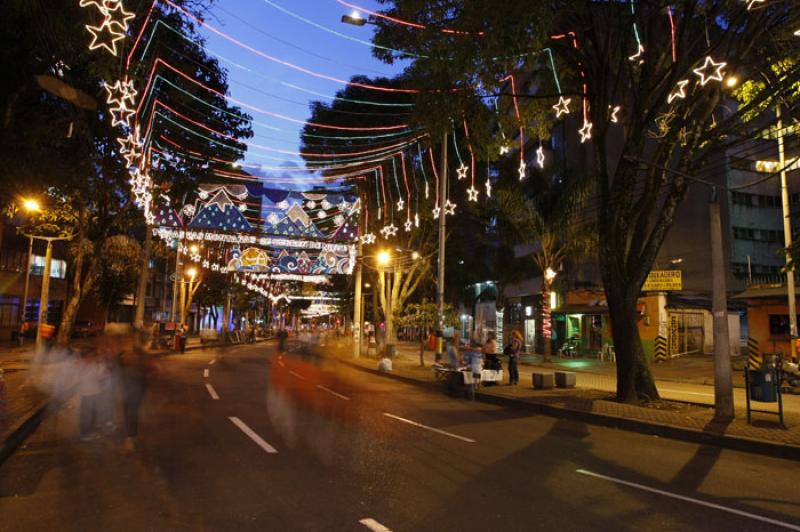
x: 242, y: 439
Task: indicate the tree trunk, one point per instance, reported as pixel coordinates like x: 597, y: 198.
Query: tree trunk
x: 80, y: 287
x: 634, y: 380
x: 141, y: 292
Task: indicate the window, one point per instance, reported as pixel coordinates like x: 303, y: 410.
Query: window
x: 58, y: 268
x: 779, y: 324
x: 9, y: 310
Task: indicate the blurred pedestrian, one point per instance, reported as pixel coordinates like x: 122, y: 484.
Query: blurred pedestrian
x: 90, y: 389
x: 474, y: 360
x: 136, y: 368
x: 490, y: 359
x: 184, y: 337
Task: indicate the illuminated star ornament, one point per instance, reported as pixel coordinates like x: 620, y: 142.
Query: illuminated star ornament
x: 449, y: 208
x: 504, y: 150
x: 120, y: 93
x: 368, y: 238
x: 389, y: 230
x: 436, y: 212
x: 680, y: 92
x: 400, y: 204
x: 106, y: 35
x: 752, y: 3
x: 585, y: 131
x: 522, y: 169
x: 416, y: 220
x: 710, y: 71
x: 472, y: 194
x: 562, y: 107
x: 462, y: 171
x: 488, y: 188
x: 408, y: 225
x: 540, y: 157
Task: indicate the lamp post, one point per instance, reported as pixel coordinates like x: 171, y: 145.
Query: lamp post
x: 384, y: 260
x: 30, y: 205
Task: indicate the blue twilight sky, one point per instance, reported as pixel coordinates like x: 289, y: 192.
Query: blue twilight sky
x: 266, y: 26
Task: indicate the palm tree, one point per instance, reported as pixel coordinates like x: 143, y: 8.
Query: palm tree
x: 545, y: 211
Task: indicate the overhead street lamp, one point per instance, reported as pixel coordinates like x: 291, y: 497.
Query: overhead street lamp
x: 355, y: 19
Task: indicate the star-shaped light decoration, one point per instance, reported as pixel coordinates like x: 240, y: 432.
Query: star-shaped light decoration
x: 710, y: 71
x: 120, y: 93
x: 472, y: 194
x: 522, y: 170
x: 680, y: 92
x: 585, y: 131
x: 436, y: 211
x: 504, y: 149
x: 368, y: 238
x: 752, y: 3
x: 562, y: 107
x: 614, y: 111
x: 195, y: 257
x: 117, y: 14
x: 389, y: 230
x: 462, y: 171
x: 449, y: 208
x: 797, y: 33
x: 206, y: 264
x: 488, y: 185
x: 214, y: 267
x: 408, y: 225
x: 400, y: 204
x: 540, y: 157
x: 121, y: 116
x: 96, y: 3
x: 637, y: 57
x: 106, y: 35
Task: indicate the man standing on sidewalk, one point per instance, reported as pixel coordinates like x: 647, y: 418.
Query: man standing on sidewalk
x: 512, y: 350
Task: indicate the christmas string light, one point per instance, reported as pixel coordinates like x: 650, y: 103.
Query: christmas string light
x: 673, y: 32
x: 680, y: 92
x: 715, y: 70
x: 424, y: 174
x: 472, y: 192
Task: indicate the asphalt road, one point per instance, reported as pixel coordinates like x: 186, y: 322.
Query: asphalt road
x: 245, y: 440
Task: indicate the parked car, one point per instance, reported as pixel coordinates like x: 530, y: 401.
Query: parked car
x: 85, y: 329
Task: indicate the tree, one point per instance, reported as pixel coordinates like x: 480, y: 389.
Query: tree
x: 56, y: 139
x: 118, y: 270
x: 542, y: 212
x: 611, y: 54
x: 212, y: 293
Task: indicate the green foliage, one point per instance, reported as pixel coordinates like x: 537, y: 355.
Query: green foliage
x: 424, y: 314
x: 119, y: 269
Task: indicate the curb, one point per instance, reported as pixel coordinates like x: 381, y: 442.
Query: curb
x: 737, y: 443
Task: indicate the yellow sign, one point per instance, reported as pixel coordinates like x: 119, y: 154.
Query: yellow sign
x: 663, y: 280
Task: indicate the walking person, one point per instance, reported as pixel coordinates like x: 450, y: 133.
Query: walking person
x: 135, y: 372
x: 512, y: 350
x: 474, y: 360
x: 90, y: 389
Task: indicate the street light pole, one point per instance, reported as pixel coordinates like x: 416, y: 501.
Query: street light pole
x: 175, y: 283
x: 23, y: 311
x: 442, y: 239
x: 723, y: 383
x: 357, y: 304
x: 787, y: 235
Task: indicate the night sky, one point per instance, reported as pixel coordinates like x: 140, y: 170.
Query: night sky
x: 266, y: 26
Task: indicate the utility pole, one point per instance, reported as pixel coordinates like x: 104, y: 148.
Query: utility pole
x: 390, y: 346
x: 23, y: 311
x: 442, y: 239
x: 787, y: 235
x: 175, y: 283
x: 357, y: 310
x: 141, y: 292
x: 723, y: 384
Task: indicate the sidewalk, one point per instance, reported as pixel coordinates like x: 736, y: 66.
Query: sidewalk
x: 679, y: 414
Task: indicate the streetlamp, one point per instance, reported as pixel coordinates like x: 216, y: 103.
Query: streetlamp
x: 31, y: 206
x: 355, y: 19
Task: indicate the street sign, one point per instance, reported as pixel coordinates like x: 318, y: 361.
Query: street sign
x: 663, y: 280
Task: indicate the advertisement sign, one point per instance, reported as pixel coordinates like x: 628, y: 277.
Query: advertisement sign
x: 663, y: 280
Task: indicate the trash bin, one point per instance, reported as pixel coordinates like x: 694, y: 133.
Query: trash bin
x: 762, y: 386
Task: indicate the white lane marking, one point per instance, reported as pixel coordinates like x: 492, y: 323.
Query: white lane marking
x: 687, y: 393
x: 205, y: 373
x: 374, y: 525
x: 689, y: 499
x: 213, y: 360
x: 420, y: 425
x: 281, y: 363
x: 340, y: 396
x: 252, y: 434
x: 297, y: 375
x: 212, y: 392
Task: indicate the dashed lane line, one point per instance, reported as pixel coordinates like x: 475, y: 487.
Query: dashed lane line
x: 426, y: 427
x: 212, y: 392
x: 297, y: 375
x: 213, y: 361
x: 374, y: 525
x: 699, y: 502
x: 205, y: 373
x: 252, y: 434
x: 336, y: 394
